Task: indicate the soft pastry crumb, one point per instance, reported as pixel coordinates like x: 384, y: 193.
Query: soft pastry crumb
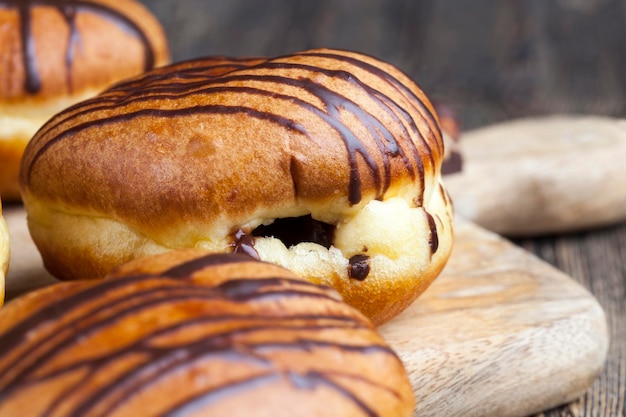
x: 22, y: 119
x: 397, y: 242
x: 96, y: 242
x: 401, y: 248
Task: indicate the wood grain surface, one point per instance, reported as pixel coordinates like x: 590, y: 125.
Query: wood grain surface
x: 547, y: 168
x: 493, y: 61
x: 500, y: 333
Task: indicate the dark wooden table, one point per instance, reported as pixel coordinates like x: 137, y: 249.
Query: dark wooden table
x: 493, y: 60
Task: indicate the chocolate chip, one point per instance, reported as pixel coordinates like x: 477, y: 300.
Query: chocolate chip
x: 359, y: 267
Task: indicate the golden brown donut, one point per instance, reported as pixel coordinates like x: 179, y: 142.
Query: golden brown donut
x: 4, y: 254
x: 54, y: 53
x: 325, y: 162
x: 186, y: 333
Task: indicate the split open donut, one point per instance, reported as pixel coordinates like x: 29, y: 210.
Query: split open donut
x: 325, y: 162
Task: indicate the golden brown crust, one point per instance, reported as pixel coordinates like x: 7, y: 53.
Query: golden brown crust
x: 303, y: 161
x: 55, y: 53
x: 186, y: 155
x: 11, y: 152
x: 217, y: 334
x: 52, y: 48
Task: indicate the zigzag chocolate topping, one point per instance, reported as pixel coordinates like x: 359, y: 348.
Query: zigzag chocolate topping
x: 160, y: 326
x: 205, y: 86
x: 69, y: 9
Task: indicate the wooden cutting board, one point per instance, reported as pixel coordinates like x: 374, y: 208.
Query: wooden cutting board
x: 499, y: 333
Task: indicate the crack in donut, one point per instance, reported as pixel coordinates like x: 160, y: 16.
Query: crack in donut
x: 294, y: 230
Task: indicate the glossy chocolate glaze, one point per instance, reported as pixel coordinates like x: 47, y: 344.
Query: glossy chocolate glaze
x: 187, y: 269
x: 307, y: 382
x: 102, y: 304
x: 177, y: 82
x: 68, y: 9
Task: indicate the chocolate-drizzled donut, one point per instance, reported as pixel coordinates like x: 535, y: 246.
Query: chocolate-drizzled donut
x: 54, y: 53
x: 326, y: 162
x: 189, y: 334
x: 4, y: 254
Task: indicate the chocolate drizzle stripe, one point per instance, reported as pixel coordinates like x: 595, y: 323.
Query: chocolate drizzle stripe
x: 17, y: 333
x: 188, y: 268
x: 418, y: 104
x: 241, y: 288
x: 383, y: 138
x: 32, y: 83
x: 166, y: 74
x: 144, y: 95
x: 182, y: 72
x: 352, y: 143
x: 89, y: 324
x: 69, y: 13
x: 161, y: 87
x: 165, y: 361
x: 237, y: 290
x: 307, y: 381
x: 105, y: 304
x: 247, y: 325
x: 433, y: 238
x: 421, y: 108
x: 165, y: 113
x: 203, y: 400
x: 384, y: 102
x: 86, y: 325
x: 445, y: 196
x: 69, y: 9
x: 170, y: 359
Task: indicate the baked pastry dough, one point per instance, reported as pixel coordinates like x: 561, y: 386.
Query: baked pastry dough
x: 186, y: 333
x: 54, y: 53
x: 325, y: 162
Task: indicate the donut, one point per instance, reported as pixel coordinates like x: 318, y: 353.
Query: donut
x: 326, y: 162
x: 54, y: 53
x: 194, y: 333
x: 4, y: 254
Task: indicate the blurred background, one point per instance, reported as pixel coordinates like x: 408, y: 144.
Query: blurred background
x: 492, y: 60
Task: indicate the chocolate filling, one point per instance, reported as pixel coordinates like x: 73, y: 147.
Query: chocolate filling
x: 359, y: 267
x: 294, y: 230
